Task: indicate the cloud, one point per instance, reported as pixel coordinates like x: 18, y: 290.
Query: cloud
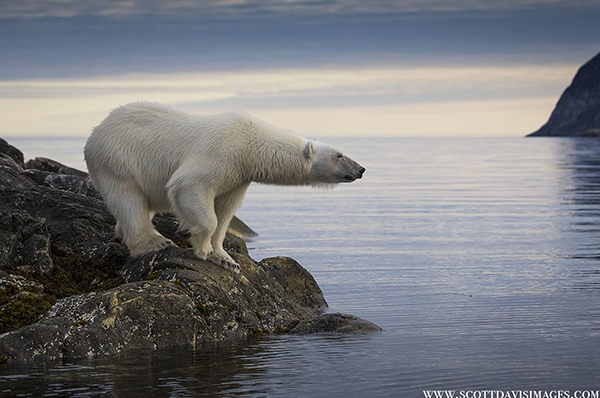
x: 262, y: 8
x: 301, y: 83
x: 299, y: 62
x: 109, y: 37
x: 506, y: 117
x: 289, y: 96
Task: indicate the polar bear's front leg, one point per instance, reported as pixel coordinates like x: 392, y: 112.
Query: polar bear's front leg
x: 193, y: 205
x: 202, y: 247
x: 225, y: 207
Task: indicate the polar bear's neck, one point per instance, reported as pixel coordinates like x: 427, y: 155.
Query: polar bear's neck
x: 280, y: 163
x: 273, y: 155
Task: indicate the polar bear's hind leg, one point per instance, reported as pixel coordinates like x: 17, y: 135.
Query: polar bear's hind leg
x: 134, y: 220
x: 193, y: 206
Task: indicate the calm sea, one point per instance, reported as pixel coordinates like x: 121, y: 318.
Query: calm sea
x: 480, y: 259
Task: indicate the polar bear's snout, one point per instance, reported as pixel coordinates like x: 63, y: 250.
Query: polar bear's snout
x: 355, y: 176
x: 354, y: 171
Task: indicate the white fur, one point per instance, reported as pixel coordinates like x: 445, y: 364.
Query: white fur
x: 146, y: 158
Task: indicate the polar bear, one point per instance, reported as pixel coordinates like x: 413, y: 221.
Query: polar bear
x: 146, y: 158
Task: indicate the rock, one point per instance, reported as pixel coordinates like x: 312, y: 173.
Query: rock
x: 21, y: 301
x: 577, y: 113
x: 69, y: 289
x: 53, y: 166
x: 8, y: 151
x: 336, y: 323
x: 26, y: 243
x: 239, y: 228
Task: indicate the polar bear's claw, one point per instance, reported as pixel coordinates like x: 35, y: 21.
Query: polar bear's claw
x: 224, y: 261
x: 235, y: 267
x: 166, y: 243
x: 232, y: 266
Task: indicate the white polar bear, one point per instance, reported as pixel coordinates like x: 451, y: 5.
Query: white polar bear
x: 146, y: 158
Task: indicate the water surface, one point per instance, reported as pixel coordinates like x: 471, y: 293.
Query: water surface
x: 478, y: 257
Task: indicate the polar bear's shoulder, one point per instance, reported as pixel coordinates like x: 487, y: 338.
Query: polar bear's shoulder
x: 144, y: 107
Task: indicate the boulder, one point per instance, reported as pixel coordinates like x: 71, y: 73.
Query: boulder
x: 53, y: 166
x: 69, y: 289
x: 336, y: 323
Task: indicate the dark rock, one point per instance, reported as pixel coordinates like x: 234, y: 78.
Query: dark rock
x: 336, y: 324
x: 577, y: 113
x: 8, y: 151
x: 11, y: 174
x: 69, y: 289
x: 53, y: 166
x: 26, y: 243
x: 239, y: 228
x: 71, y: 183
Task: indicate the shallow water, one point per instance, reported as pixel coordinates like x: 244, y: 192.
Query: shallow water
x: 478, y: 257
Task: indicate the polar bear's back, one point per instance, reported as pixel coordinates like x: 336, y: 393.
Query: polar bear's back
x: 147, y: 142
x: 142, y: 127
x: 138, y: 144
x: 144, y: 137
x: 158, y: 130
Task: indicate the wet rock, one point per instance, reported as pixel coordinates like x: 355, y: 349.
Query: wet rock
x: 336, y: 323
x: 69, y: 289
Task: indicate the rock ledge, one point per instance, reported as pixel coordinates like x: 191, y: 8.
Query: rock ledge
x: 68, y: 288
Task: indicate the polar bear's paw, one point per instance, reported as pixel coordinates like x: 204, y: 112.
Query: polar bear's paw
x: 151, y: 243
x: 224, y: 260
x: 164, y: 243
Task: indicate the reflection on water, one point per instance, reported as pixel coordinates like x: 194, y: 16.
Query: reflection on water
x: 270, y: 366
x: 581, y: 207
x: 478, y: 257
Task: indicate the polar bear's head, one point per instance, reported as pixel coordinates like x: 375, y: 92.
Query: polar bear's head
x: 330, y: 166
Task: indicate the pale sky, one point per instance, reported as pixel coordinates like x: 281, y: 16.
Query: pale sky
x: 322, y: 68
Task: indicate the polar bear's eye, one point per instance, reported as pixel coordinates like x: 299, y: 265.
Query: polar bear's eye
x: 339, y: 155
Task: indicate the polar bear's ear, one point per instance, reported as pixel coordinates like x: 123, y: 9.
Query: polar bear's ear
x: 309, y: 150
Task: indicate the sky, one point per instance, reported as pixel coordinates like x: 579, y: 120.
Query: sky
x: 319, y: 67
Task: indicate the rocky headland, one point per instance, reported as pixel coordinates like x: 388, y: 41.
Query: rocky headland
x: 577, y: 113
x: 69, y: 289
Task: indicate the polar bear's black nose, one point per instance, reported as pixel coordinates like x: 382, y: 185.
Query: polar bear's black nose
x: 361, y: 171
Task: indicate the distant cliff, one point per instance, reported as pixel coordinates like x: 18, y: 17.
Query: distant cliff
x: 577, y: 113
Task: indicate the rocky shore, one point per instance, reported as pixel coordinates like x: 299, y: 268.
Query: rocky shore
x: 69, y: 289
